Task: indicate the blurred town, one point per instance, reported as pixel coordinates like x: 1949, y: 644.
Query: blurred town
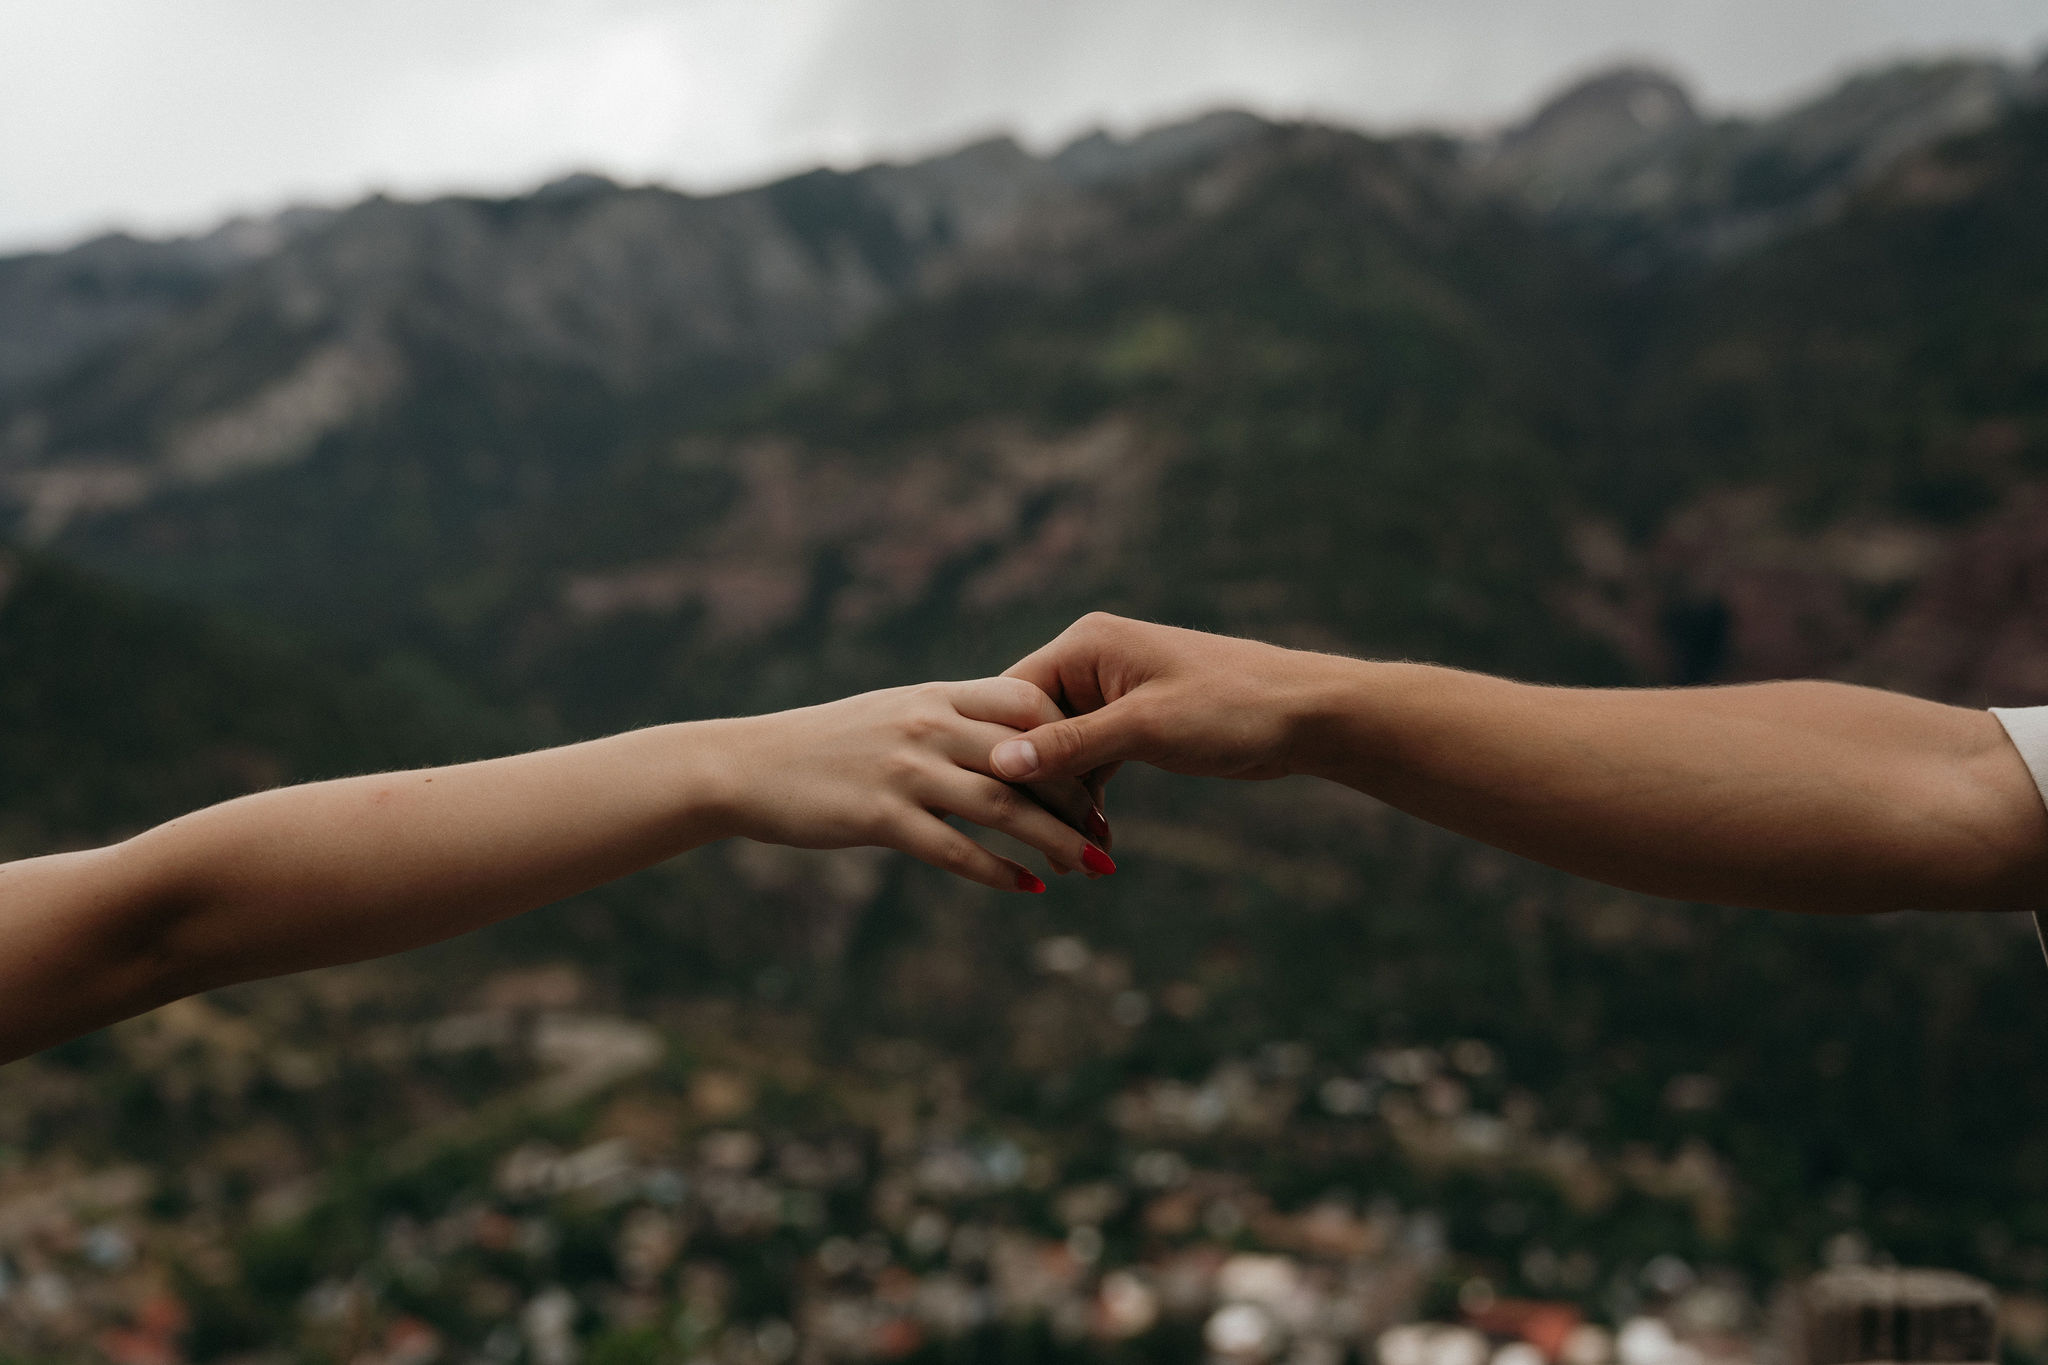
x: 615, y: 1190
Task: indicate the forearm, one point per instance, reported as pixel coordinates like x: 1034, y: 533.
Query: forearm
x: 1806, y: 796
x: 340, y: 871
x: 1798, y: 796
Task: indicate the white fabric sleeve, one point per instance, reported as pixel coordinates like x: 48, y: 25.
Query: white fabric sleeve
x: 2027, y: 728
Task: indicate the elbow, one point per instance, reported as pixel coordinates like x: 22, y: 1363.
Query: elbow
x: 1980, y: 842
x: 151, y: 937
x: 1961, y: 831
x: 90, y: 938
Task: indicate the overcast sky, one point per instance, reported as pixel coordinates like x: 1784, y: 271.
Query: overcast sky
x: 164, y: 115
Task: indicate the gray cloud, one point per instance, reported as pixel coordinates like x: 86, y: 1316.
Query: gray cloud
x: 160, y: 116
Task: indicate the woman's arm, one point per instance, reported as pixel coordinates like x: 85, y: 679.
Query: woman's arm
x: 1795, y: 795
x: 340, y: 871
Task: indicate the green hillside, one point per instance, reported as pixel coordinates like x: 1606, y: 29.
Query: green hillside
x: 1896, y: 358
x: 1350, y: 338
x: 118, y: 710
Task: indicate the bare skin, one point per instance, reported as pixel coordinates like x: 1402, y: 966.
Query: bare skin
x: 1808, y: 796
x: 340, y: 871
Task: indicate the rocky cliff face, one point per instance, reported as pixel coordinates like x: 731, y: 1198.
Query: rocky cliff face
x: 58, y: 307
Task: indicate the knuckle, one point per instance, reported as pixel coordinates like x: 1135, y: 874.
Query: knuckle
x: 1109, y: 623
x: 903, y: 769
x: 890, y: 824
x: 1004, y: 804
x: 1062, y: 740
x: 1024, y: 696
x: 919, y: 728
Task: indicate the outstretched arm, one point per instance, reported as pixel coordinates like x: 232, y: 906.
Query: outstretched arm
x: 340, y: 871
x: 1794, y: 795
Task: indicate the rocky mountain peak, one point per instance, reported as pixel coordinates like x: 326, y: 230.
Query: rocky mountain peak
x: 1628, y: 159
x: 1584, y: 131
x: 1100, y: 157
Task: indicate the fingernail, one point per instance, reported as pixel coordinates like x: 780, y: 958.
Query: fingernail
x: 1015, y: 758
x: 1096, y: 861
x: 1027, y: 882
x: 1096, y: 825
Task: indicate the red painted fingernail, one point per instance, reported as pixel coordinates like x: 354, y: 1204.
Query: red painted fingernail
x: 1096, y: 861
x: 1027, y: 882
x: 1096, y: 826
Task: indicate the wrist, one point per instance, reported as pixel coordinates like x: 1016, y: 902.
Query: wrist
x: 1323, y: 701
x: 713, y: 765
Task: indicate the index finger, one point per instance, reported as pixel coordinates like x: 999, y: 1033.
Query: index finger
x: 1064, y: 670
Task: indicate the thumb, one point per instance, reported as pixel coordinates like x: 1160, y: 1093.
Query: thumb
x: 1067, y: 748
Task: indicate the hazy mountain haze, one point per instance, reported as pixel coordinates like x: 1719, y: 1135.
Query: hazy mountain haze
x: 153, y: 117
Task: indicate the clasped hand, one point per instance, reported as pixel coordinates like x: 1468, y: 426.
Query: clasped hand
x: 884, y: 767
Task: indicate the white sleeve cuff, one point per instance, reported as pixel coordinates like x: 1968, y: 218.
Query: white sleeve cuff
x: 2027, y: 727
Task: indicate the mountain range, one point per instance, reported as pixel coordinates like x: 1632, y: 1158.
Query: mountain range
x: 1626, y: 393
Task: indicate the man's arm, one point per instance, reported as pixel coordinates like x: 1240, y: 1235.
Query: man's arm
x: 1796, y: 795
x: 340, y: 871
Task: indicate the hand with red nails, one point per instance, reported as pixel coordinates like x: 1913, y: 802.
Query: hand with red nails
x: 886, y: 767
x: 1814, y: 796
